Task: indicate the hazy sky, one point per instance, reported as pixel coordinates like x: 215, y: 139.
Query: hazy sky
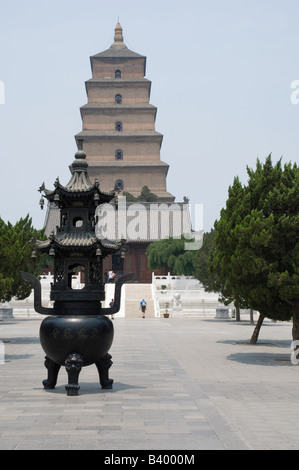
x: 221, y: 73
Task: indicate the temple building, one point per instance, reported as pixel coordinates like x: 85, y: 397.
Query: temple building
x: 122, y: 149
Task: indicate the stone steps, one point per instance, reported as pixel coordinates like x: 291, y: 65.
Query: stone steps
x: 134, y: 294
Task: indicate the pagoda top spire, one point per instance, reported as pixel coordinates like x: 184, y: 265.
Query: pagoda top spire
x: 118, y: 34
x: 118, y: 47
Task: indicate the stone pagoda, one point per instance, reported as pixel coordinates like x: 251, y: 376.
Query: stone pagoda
x: 118, y: 124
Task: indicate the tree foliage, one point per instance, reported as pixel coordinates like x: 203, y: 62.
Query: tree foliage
x: 170, y: 254
x: 255, y: 258
x: 15, y: 255
x: 201, y: 263
x: 145, y: 196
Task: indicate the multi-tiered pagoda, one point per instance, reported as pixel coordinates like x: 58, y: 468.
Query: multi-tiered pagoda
x: 118, y: 124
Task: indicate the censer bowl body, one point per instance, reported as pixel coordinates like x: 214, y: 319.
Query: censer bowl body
x: 90, y: 336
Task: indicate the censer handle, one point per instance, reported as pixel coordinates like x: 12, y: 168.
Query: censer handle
x: 117, y: 295
x: 37, y: 294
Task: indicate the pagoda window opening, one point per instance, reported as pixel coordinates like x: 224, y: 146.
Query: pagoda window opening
x: 118, y: 126
x: 119, y: 155
x: 77, y: 222
x: 76, y: 276
x: 118, y: 99
x: 117, y: 74
x: 91, y: 220
x: 63, y: 219
x: 119, y: 185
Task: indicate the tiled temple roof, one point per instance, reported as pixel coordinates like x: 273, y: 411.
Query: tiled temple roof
x: 76, y: 240
x: 79, y: 182
x: 144, y: 222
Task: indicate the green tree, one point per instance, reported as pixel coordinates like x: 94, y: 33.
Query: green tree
x: 201, y: 263
x: 256, y: 248
x: 170, y: 254
x: 146, y: 196
x: 129, y: 197
x: 15, y: 255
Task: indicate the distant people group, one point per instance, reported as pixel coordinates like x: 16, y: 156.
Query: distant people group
x: 110, y: 276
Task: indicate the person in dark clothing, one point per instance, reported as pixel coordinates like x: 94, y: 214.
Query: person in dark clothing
x: 143, y: 307
x: 111, y: 305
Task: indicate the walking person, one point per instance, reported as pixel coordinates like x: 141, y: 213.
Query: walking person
x: 111, y: 305
x: 143, y: 307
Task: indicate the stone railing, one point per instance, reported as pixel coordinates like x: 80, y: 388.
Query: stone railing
x: 185, y: 296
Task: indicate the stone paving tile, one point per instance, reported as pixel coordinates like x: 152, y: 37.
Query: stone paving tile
x: 186, y: 384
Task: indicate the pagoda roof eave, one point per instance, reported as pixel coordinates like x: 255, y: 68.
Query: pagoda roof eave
x: 78, y: 242
x: 105, y: 196
x: 112, y: 80
x: 118, y: 52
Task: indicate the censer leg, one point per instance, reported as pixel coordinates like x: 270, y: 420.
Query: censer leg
x: 53, y: 370
x: 73, y: 365
x: 103, y: 367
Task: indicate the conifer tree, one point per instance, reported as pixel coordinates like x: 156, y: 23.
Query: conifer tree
x: 256, y: 248
x: 169, y: 254
x: 15, y: 256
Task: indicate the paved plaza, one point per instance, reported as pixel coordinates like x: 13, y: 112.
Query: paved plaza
x: 179, y: 384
